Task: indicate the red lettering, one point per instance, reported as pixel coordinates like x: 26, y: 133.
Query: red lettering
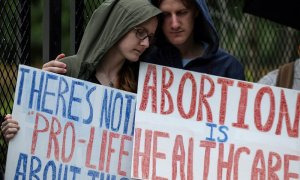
x: 224, y: 91
x: 287, y: 159
x: 36, y: 130
x: 165, y: 92
x: 157, y: 154
x: 63, y: 153
x: 123, y: 152
x: 207, y: 145
x: 180, y: 95
x: 272, y: 169
x: 259, y: 173
x: 53, y: 138
x: 110, y: 150
x: 89, y: 150
x: 245, y: 86
x: 257, y: 110
x: 284, y: 113
x: 190, y: 175
x: 237, y: 155
x: 145, y: 155
x: 103, y: 150
x: 178, y: 156
x: 203, y: 98
x: 151, y: 72
x: 222, y: 164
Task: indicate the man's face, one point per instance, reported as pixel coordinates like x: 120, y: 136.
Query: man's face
x: 178, y: 23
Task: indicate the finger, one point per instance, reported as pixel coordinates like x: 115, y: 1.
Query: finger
x: 10, y: 127
x: 54, y: 63
x: 8, y: 121
x: 12, y: 124
x: 55, y: 67
x: 56, y: 70
x: 11, y: 130
x: 60, y: 56
x: 8, y: 137
x: 8, y: 116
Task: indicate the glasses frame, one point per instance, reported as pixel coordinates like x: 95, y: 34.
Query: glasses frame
x: 138, y: 34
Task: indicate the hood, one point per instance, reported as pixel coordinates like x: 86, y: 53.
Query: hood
x: 108, y: 24
x: 204, y: 29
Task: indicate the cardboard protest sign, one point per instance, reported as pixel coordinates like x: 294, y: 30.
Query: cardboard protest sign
x: 69, y: 129
x: 197, y: 126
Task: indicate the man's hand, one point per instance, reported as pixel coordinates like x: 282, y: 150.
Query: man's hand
x: 55, y: 65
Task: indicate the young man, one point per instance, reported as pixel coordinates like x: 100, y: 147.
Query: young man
x: 187, y: 39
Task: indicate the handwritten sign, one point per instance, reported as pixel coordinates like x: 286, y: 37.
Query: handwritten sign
x: 197, y: 126
x: 70, y: 129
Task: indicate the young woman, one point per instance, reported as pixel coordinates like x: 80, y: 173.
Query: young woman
x: 116, y: 36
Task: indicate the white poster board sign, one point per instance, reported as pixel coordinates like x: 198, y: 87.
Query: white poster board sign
x: 197, y: 126
x: 70, y: 129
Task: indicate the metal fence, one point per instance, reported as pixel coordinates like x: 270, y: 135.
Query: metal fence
x: 261, y: 45
x: 14, y: 49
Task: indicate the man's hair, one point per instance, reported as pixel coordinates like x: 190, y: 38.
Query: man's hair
x: 187, y: 3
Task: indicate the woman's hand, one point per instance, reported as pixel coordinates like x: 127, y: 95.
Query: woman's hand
x: 9, y: 127
x: 55, y: 65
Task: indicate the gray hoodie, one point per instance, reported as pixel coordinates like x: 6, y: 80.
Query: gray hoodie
x: 108, y: 24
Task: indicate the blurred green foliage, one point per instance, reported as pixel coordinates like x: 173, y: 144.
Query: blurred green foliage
x: 260, y: 44
x: 37, y: 8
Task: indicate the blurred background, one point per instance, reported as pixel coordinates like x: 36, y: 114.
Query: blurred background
x: 34, y: 31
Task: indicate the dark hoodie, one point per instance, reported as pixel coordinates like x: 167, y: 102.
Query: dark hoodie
x: 214, y: 61
x: 108, y: 24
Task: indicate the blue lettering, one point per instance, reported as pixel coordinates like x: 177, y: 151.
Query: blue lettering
x: 21, y: 167
x: 75, y: 170
x: 105, y: 110
x: 128, y: 110
x: 113, y: 177
x: 38, y: 91
x: 43, y: 108
x: 53, y: 167
x: 221, y: 129
x: 102, y: 176
x: 212, y: 126
x: 90, y: 118
x: 132, y: 130
x: 65, y: 172
x: 61, y: 91
x: 33, y: 172
x: 22, y: 71
x: 74, y: 99
x: 118, y: 96
x: 93, y: 174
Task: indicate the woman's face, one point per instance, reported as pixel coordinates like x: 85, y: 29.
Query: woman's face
x: 136, y: 41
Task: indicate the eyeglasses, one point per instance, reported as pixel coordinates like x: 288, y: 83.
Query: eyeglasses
x: 142, y: 34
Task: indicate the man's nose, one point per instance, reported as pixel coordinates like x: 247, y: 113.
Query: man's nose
x: 175, y: 21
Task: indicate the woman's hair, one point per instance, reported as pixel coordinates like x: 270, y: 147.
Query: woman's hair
x: 128, y: 76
